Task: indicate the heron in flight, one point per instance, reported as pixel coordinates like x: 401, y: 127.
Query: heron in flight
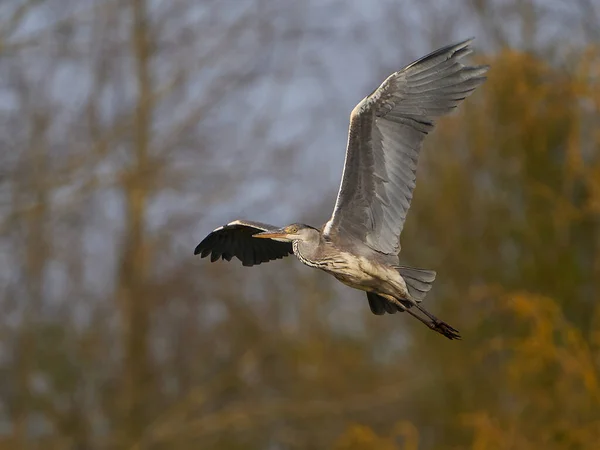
x: 359, y: 245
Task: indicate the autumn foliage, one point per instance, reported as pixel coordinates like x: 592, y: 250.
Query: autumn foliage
x: 115, y: 337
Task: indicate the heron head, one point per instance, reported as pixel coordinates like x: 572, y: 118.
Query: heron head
x: 293, y: 232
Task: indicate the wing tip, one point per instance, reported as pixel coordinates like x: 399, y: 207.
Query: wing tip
x: 202, y: 250
x: 199, y: 249
x: 458, y: 50
x: 464, y: 44
x: 466, y: 41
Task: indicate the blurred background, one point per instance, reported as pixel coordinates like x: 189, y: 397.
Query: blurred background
x: 130, y: 129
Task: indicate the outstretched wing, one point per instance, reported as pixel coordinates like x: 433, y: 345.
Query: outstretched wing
x: 235, y: 239
x: 386, y: 134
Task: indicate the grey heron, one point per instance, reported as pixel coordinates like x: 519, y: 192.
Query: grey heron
x: 360, y: 244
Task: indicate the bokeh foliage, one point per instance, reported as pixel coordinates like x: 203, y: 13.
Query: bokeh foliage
x: 113, y: 336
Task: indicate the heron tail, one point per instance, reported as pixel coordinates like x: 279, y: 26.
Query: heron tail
x: 418, y: 281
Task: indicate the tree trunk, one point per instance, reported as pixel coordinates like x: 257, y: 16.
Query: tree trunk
x: 135, y: 307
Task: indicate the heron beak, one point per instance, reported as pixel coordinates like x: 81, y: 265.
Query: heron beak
x: 278, y: 234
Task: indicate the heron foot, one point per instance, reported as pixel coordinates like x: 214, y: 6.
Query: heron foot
x: 439, y: 325
x: 445, y: 329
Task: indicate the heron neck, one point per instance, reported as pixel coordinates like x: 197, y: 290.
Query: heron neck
x: 306, y: 252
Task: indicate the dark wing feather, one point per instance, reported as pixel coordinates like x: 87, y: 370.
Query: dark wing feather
x: 386, y: 134
x: 380, y: 305
x: 235, y: 239
x: 376, y: 303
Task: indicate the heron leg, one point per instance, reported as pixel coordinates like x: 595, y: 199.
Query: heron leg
x: 434, y: 323
x: 439, y: 325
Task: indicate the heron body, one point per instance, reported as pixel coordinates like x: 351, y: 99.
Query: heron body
x: 352, y: 269
x: 359, y: 245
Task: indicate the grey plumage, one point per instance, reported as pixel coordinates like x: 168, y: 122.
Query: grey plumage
x: 386, y: 134
x: 359, y: 245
